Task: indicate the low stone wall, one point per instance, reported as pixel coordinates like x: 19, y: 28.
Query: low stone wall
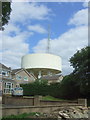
x: 18, y: 101
x: 19, y: 105
x: 50, y: 102
x: 37, y: 101
x: 83, y: 102
x: 15, y: 110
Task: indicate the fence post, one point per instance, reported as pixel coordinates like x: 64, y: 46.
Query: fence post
x: 37, y: 100
x: 82, y: 102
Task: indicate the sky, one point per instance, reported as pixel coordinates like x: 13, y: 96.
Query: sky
x: 27, y: 31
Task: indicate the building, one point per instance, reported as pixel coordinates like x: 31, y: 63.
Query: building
x: 0, y: 88
x: 21, y: 76
x: 12, y: 78
x: 52, y: 78
x: 5, y: 78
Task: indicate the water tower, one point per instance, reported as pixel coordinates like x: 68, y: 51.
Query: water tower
x: 42, y: 63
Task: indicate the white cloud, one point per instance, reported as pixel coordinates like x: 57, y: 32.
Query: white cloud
x: 1, y: 46
x: 13, y: 44
x: 36, y: 28
x: 69, y: 42
x: 13, y: 48
x: 11, y: 28
x: 85, y: 4
x: 1, y: 41
x: 79, y: 18
x: 24, y: 12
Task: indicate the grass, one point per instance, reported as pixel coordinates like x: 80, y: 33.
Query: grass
x: 55, y: 99
x: 28, y: 116
x: 50, y: 98
x: 24, y: 115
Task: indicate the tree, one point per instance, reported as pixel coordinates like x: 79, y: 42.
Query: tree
x: 39, y: 87
x: 80, y: 62
x: 69, y: 88
x: 5, y: 13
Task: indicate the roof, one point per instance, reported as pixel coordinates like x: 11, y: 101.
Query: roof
x: 4, y: 67
x: 51, y: 77
x: 15, y: 71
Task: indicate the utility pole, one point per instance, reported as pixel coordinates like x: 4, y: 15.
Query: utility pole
x: 48, y: 42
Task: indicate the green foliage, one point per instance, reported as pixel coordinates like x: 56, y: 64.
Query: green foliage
x: 6, y: 10
x: 39, y: 87
x: 28, y: 116
x: 50, y: 98
x: 80, y: 62
x: 65, y: 89
x: 24, y: 115
x: 54, y: 89
x: 88, y: 102
x: 69, y: 87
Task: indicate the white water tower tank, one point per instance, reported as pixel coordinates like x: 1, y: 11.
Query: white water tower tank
x: 41, y: 64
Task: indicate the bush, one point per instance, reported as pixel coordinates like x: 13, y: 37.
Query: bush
x: 69, y: 88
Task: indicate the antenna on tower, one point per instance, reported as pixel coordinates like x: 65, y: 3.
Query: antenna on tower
x: 48, y: 42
